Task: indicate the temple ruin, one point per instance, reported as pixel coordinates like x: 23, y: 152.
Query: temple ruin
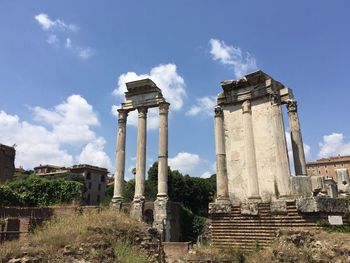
x: 256, y: 194
x: 142, y: 95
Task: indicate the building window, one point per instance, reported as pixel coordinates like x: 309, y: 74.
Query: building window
x: 90, y: 185
x: 319, y: 172
x: 88, y: 199
x: 88, y: 176
x: 326, y: 172
x: 99, y: 187
x: 103, y: 178
x: 98, y: 198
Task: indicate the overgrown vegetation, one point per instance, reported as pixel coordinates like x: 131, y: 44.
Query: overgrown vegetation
x: 95, y: 236
x: 35, y: 191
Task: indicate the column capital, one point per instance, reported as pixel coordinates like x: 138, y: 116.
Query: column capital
x: 292, y: 105
x: 218, y: 111
x: 164, y: 107
x: 246, y: 106
x: 122, y: 115
x: 142, y: 111
x: 275, y: 99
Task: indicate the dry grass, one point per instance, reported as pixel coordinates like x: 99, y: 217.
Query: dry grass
x: 71, y: 230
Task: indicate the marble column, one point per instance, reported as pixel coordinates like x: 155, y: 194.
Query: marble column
x: 141, y: 153
x: 221, y: 169
x: 162, y: 211
x: 250, y: 158
x: 163, y: 150
x: 296, y: 138
x: 120, y: 159
x: 137, y: 206
x: 281, y: 153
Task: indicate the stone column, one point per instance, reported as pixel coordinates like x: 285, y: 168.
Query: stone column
x: 120, y: 160
x: 282, y: 163
x: 163, y: 150
x: 296, y: 138
x: 221, y: 169
x: 139, y: 198
x: 253, y: 183
x: 161, y: 204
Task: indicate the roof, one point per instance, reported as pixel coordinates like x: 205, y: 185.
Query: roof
x: 334, y: 159
x: 48, y: 166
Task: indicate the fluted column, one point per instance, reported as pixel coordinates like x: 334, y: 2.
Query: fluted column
x: 141, y: 153
x: 163, y: 150
x: 282, y: 163
x: 296, y: 138
x: 120, y: 159
x: 221, y: 169
x: 253, y: 183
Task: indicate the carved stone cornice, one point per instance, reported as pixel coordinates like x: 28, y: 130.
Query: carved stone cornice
x: 142, y: 112
x: 218, y: 112
x: 292, y: 106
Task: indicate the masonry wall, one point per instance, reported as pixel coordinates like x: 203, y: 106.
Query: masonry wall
x: 265, y: 149
x: 247, y: 231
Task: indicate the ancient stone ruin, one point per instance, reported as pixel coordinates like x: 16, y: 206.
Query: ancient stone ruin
x: 256, y: 194
x: 142, y: 95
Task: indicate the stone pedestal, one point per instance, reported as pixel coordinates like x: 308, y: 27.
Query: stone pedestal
x: 162, y: 217
x: 137, y: 207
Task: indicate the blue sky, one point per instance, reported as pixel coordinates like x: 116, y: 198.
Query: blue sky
x: 63, y: 63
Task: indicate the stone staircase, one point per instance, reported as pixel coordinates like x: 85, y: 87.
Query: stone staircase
x: 246, y: 232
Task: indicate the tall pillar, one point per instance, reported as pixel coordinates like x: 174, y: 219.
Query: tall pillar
x: 139, y: 198
x: 253, y: 183
x: 296, y: 138
x: 163, y: 150
x: 282, y: 163
x: 120, y: 160
x: 161, y: 204
x: 221, y: 169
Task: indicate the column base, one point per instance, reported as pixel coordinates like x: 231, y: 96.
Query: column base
x: 255, y: 198
x: 222, y: 199
x: 162, y: 216
x: 117, y: 203
x: 137, y: 206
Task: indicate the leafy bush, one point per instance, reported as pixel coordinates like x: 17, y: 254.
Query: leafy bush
x: 37, y: 191
x: 191, y: 225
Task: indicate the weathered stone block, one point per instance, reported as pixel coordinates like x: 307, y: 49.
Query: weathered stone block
x: 300, y: 186
x: 322, y: 204
x: 249, y: 209
x: 279, y: 207
x: 220, y: 208
x: 136, y: 210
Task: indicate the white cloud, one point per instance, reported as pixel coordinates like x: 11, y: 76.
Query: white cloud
x: 184, y: 162
x: 49, y: 24
x: 70, y: 120
x: 206, y: 174
x: 35, y: 144
x: 332, y: 145
x: 307, y: 152
x: 61, y: 31
x: 166, y: 78
x: 93, y: 153
x: 84, y: 52
x: 52, y: 39
x: 68, y: 43
x: 68, y: 124
x: 241, y: 62
x: 204, y: 106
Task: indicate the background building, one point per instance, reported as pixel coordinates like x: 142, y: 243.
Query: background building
x: 328, y: 166
x: 95, y: 179
x: 7, y: 162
